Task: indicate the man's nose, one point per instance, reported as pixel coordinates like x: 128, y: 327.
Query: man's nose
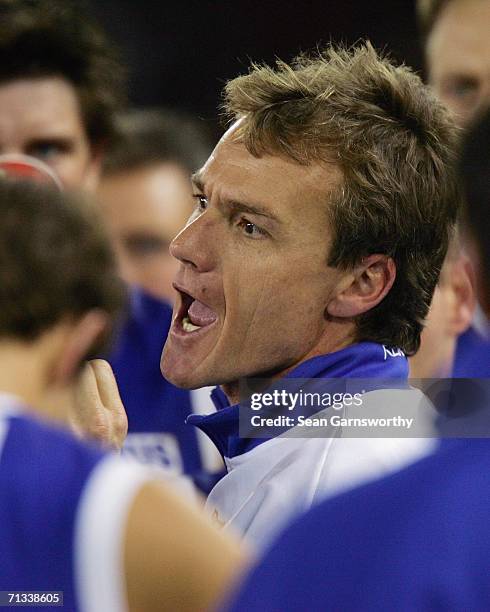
x: 194, y: 245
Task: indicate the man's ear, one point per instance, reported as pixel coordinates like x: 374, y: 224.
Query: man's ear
x: 80, y: 337
x: 364, y: 287
x: 462, y: 280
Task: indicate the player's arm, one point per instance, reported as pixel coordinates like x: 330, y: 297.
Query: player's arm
x: 174, y: 557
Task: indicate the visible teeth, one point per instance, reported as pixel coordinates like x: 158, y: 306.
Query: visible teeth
x: 188, y: 326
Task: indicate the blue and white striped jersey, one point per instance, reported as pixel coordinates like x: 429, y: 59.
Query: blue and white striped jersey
x: 63, y: 508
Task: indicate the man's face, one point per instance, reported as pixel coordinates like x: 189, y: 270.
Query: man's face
x: 458, y: 57
x: 253, y: 282
x: 41, y: 117
x: 144, y: 210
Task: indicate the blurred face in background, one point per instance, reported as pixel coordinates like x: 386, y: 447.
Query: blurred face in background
x: 449, y: 316
x: 458, y: 56
x: 458, y: 63
x: 144, y: 210
x: 41, y: 117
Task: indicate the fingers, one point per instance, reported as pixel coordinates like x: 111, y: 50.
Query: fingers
x: 106, y: 385
x: 111, y: 401
x: 87, y: 392
x: 99, y: 412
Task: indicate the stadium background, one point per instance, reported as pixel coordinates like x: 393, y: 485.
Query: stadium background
x: 179, y: 54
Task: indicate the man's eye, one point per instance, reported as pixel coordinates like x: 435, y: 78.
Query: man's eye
x: 201, y: 201
x: 47, y: 149
x: 250, y: 229
x: 462, y: 88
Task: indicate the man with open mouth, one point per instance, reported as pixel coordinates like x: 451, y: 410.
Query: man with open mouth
x: 321, y: 222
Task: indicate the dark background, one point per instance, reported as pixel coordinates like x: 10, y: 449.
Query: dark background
x: 181, y: 53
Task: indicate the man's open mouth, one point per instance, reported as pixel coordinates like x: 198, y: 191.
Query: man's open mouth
x: 193, y: 315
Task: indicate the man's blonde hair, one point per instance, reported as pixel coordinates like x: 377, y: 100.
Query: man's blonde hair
x: 395, y: 145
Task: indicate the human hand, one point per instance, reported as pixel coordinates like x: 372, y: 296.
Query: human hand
x: 98, y: 411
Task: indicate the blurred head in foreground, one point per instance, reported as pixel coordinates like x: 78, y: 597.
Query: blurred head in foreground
x: 321, y: 219
x: 145, y: 192
x: 54, y: 310
x: 60, y: 83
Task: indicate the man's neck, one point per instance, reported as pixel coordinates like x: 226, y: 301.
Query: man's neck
x: 328, y: 344
x: 23, y: 374
x: 20, y: 374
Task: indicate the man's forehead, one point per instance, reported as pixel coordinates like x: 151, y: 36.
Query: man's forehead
x: 36, y: 98
x: 232, y: 166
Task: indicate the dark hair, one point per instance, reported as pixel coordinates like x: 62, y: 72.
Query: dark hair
x: 151, y: 136
x: 47, y: 38
x: 395, y: 145
x: 475, y: 172
x: 55, y: 260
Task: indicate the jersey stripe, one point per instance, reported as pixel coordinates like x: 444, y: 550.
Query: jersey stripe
x: 99, y: 533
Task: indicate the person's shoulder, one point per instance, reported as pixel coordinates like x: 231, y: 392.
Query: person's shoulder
x: 472, y: 356
x: 34, y: 441
x: 455, y: 467
x: 447, y: 492
x: 382, y: 543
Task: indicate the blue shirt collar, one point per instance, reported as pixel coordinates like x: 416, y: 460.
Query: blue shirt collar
x: 361, y: 360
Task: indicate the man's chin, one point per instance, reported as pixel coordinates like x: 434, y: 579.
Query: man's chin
x: 180, y: 374
x: 179, y: 379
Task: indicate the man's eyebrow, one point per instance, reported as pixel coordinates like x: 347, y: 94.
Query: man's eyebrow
x: 235, y: 205
x: 60, y: 140
x: 196, y: 179
x: 252, y: 209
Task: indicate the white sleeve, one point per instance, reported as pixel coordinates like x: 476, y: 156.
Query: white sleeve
x: 99, y: 533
